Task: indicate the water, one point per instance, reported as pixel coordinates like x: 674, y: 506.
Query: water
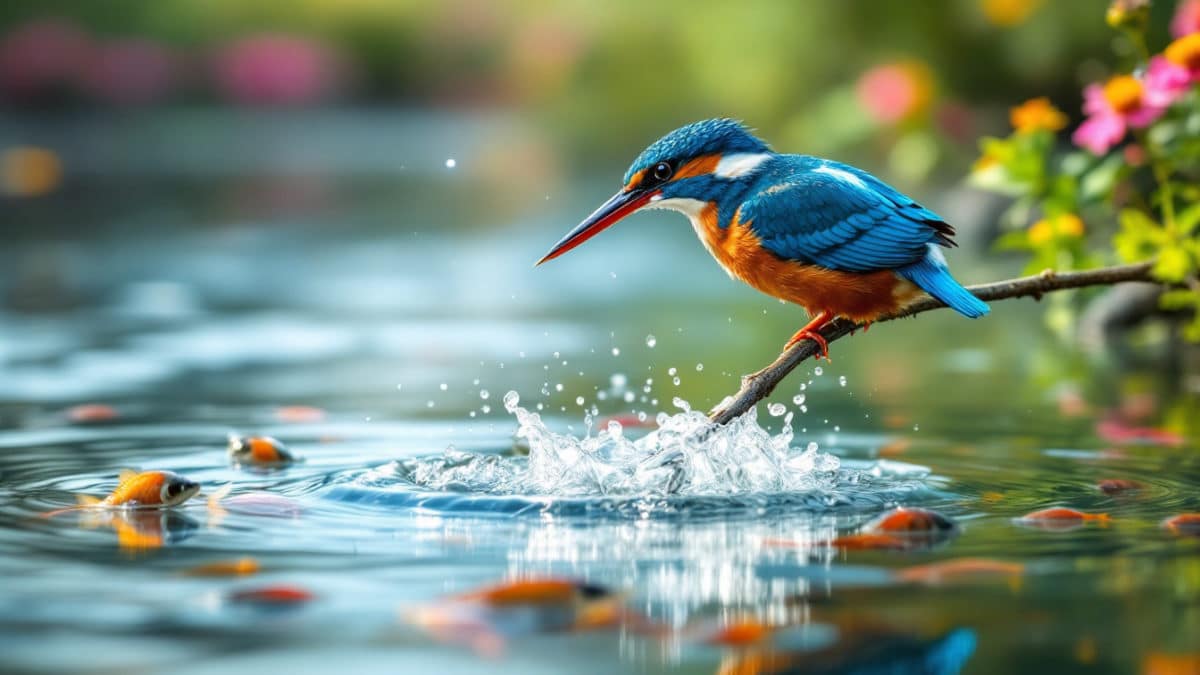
x: 377, y: 332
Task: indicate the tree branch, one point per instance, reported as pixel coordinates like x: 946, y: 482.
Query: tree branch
x: 757, y: 386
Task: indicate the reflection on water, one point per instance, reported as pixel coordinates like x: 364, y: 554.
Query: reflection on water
x: 376, y: 342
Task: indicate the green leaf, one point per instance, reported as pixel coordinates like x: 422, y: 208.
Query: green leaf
x: 1098, y: 183
x: 1017, y: 240
x: 1188, y: 218
x: 1181, y: 298
x: 1173, y: 265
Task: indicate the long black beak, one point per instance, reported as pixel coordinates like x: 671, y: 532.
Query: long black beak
x: 620, y: 205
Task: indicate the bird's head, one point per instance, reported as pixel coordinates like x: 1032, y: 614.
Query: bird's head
x: 691, y: 164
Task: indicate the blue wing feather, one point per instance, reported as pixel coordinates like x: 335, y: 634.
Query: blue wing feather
x: 842, y: 218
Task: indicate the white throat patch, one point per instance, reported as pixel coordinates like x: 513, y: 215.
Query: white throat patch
x: 739, y: 164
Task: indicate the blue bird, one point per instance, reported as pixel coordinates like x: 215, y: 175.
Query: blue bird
x: 826, y: 236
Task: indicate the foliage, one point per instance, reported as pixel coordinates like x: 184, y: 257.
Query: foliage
x: 1128, y: 191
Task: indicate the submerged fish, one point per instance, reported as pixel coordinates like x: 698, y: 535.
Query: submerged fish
x: 484, y: 619
x: 276, y: 595
x: 1113, y: 486
x: 146, y: 490
x: 959, y: 569
x: 1060, y: 519
x: 259, y: 451
x: 1184, y: 523
x: 224, y: 568
x: 912, y: 521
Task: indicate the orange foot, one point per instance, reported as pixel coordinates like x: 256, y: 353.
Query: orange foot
x: 809, y: 332
x: 806, y: 334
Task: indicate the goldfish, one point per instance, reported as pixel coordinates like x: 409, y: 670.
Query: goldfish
x: 277, y: 595
x: 146, y: 490
x: 484, y: 618
x: 1184, y: 523
x: 936, y: 573
x: 1113, y: 486
x: 91, y: 413
x: 911, y: 521
x: 1060, y: 519
x: 866, y: 541
x: 259, y: 451
x: 224, y: 568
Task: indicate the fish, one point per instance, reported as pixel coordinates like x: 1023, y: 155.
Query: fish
x: 278, y: 595
x: 1184, y: 523
x: 1113, y: 486
x: 224, y: 568
x: 1061, y: 519
x: 912, y: 521
x: 485, y: 619
x: 866, y: 541
x: 959, y: 569
x: 259, y: 451
x: 863, y: 652
x: 92, y: 413
x: 145, y: 490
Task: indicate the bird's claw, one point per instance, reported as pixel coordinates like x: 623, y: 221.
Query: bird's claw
x: 806, y: 334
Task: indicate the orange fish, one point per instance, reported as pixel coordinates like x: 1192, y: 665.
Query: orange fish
x: 146, y: 490
x: 259, y: 450
x: 959, y: 569
x: 224, y: 568
x: 912, y: 521
x: 1184, y: 523
x: 299, y: 413
x: 1113, y: 486
x: 91, y: 413
x: 740, y: 633
x: 1063, y: 513
x: 484, y: 618
x: 278, y: 595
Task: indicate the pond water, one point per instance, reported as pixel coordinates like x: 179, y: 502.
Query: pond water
x: 378, y: 333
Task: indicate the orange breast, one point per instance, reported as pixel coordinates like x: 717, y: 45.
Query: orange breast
x: 859, y: 297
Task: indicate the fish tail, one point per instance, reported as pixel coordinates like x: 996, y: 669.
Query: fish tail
x: 214, y: 500
x: 933, y: 277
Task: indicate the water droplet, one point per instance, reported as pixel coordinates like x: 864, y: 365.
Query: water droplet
x: 642, y: 416
x: 699, y: 367
x: 483, y: 394
x: 837, y: 427
x: 486, y: 409
x: 451, y: 163
x: 776, y: 409
x: 429, y: 404
x: 612, y: 274
x: 916, y: 427
x: 681, y: 404
x: 443, y: 386
x: 842, y: 380
x: 511, y: 399
x: 615, y: 429
x: 618, y: 381
x: 399, y: 387
x: 558, y: 387
x: 471, y: 413
x: 616, y: 351
x: 799, y: 399
x: 602, y: 396
x: 803, y: 409
x: 579, y: 401
x: 811, y: 447
x: 651, y: 341
x: 818, y: 371
x: 672, y: 370
x: 630, y: 397
x: 557, y: 355
x: 675, y: 381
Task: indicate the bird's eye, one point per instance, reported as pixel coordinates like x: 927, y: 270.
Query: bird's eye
x: 661, y: 172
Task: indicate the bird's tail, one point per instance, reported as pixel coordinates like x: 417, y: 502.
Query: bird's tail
x: 932, y: 275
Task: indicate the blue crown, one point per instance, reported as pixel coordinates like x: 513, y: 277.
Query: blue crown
x: 721, y: 135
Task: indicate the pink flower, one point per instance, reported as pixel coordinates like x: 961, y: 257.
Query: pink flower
x: 276, y: 70
x: 1187, y: 18
x: 1126, y: 101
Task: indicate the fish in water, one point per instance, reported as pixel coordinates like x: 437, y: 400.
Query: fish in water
x: 486, y: 618
x: 145, y: 490
x: 274, y: 596
x: 1060, y: 519
x: 959, y: 569
x: 224, y: 568
x: 1184, y: 523
x: 911, y: 521
x: 1114, y: 486
x: 259, y: 451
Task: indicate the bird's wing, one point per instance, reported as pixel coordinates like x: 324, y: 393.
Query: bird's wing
x: 845, y: 219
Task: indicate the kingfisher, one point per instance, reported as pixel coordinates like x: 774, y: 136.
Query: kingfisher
x: 827, y: 236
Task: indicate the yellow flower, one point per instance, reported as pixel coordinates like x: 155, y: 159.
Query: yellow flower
x: 1008, y: 13
x: 1123, y: 93
x: 1037, y: 114
x: 1065, y: 226
x: 1185, y: 51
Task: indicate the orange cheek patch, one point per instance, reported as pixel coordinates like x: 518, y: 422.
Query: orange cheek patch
x: 705, y: 164
x: 635, y: 180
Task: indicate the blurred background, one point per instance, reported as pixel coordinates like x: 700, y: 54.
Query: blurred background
x: 197, y: 185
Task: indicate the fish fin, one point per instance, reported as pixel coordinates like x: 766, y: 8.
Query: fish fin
x: 84, y: 501
x: 125, y: 474
x: 214, y: 500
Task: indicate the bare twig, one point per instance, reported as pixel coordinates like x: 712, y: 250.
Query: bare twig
x: 757, y: 386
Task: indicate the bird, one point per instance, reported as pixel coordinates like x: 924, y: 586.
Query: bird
x: 826, y: 236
